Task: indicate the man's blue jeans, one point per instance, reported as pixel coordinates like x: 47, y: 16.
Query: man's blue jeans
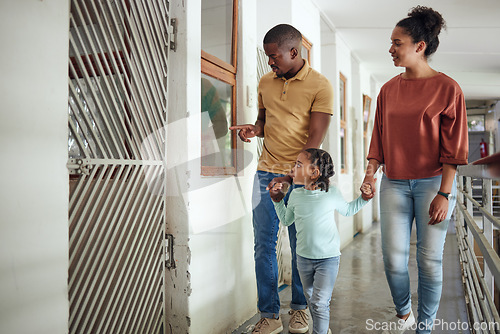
x: 402, y: 201
x: 265, y: 226
x: 318, y: 278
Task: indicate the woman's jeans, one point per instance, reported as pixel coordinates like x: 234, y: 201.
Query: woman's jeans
x: 265, y: 227
x: 402, y: 201
x: 318, y: 278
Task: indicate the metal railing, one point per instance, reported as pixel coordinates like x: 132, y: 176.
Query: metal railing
x: 477, y: 232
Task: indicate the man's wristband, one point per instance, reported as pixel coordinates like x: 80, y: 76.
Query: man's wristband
x: 445, y: 195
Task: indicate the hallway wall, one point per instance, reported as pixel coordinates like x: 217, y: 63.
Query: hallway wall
x: 221, y: 235
x: 212, y: 289
x: 338, y: 58
x: 33, y: 174
x: 299, y: 13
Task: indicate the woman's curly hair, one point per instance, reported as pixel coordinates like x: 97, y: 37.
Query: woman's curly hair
x: 424, y: 24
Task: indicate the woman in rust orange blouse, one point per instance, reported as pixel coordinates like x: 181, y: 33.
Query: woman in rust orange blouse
x: 420, y: 136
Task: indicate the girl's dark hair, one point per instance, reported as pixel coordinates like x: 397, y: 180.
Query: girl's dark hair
x: 324, y: 162
x: 424, y: 24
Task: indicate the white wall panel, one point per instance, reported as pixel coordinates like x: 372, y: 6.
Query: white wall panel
x: 33, y: 174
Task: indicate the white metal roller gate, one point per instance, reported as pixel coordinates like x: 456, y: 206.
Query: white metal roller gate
x: 118, y: 52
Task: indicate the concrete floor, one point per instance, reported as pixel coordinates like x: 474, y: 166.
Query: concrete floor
x: 361, y: 296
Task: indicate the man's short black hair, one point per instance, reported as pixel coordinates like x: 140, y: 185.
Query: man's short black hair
x: 283, y: 34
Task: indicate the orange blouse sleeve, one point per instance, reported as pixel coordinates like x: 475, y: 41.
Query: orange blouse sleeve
x: 454, y: 143
x: 376, y: 149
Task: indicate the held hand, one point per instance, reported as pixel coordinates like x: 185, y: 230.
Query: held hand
x: 277, y: 187
x: 366, y: 191
x: 368, y: 188
x: 371, y: 181
x: 276, y: 192
x: 285, y: 180
x: 245, y: 131
x: 438, y: 210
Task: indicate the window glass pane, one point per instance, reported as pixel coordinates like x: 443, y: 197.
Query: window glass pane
x: 217, y: 28
x: 475, y: 122
x: 216, y: 117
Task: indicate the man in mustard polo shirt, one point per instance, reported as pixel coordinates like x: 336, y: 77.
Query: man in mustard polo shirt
x: 295, y: 106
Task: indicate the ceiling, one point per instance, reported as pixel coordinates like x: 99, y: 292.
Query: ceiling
x: 469, y: 49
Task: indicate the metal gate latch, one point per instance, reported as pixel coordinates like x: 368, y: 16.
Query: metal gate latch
x: 79, y: 166
x: 172, y: 32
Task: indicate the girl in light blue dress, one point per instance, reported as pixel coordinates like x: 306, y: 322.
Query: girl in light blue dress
x: 311, y: 208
